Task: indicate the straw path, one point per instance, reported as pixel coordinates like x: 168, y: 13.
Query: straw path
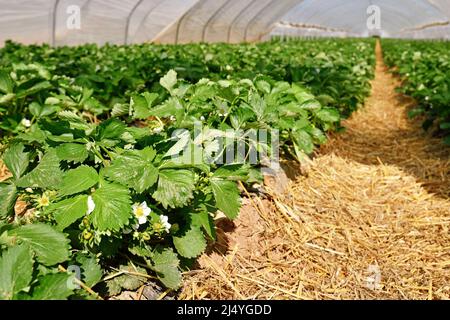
x: 371, y: 219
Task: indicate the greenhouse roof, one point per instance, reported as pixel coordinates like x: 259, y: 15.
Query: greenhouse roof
x: 70, y: 22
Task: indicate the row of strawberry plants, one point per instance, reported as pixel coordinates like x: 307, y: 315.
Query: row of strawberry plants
x: 136, y: 182
x: 95, y: 79
x: 114, y: 187
x: 424, y: 67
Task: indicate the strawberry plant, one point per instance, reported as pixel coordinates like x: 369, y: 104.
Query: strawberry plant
x: 112, y: 188
x: 121, y: 171
x: 424, y: 68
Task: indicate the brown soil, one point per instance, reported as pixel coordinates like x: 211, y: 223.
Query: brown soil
x: 369, y: 221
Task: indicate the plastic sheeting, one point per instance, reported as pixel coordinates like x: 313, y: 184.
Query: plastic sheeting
x: 398, y: 18
x: 100, y: 21
x: 71, y: 22
x: 227, y: 21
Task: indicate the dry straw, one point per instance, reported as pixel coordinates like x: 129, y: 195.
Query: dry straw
x: 370, y: 220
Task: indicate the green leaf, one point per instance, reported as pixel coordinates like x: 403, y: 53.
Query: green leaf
x: 111, y: 129
x: 328, y: 115
x: 6, y: 83
x: 447, y: 140
x: 5, y: 99
x: 444, y: 125
x: 169, y: 80
x: 232, y: 172
x: 175, y: 187
x: 16, y: 159
x: 128, y: 280
x: 16, y: 265
x: 53, y: 287
x: 46, y: 175
x: 204, y: 220
x: 73, y: 152
x: 39, y: 110
x: 90, y: 269
x: 69, y: 210
x: 263, y: 86
x: 303, y: 141
x: 141, y: 250
x: 142, y: 105
x: 112, y: 207
x: 22, y: 92
x: 227, y: 197
x: 170, y: 107
x: 191, y: 243
x: 75, y: 121
x: 165, y: 264
x: 50, y: 246
x: 78, y: 180
x: 134, y: 169
x: 8, y: 198
x: 120, y: 109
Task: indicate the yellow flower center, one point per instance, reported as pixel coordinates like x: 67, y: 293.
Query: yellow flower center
x: 139, y: 212
x: 44, y: 201
x: 157, y: 226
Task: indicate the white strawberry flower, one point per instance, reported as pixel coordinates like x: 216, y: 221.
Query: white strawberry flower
x: 172, y: 118
x: 202, y: 118
x: 158, y: 129
x: 26, y: 123
x: 164, y: 220
x: 141, y: 211
x: 91, y: 205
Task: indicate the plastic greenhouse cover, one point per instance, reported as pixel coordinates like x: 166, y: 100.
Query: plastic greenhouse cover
x: 397, y: 18
x: 71, y: 22
x: 128, y: 21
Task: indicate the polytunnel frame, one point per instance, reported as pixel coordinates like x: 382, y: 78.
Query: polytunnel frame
x: 206, y: 25
x: 237, y: 18
x: 212, y: 17
x: 127, y: 27
x: 86, y: 4
x: 255, y: 17
x: 272, y: 20
x: 250, y: 22
x: 150, y: 11
x: 401, y: 20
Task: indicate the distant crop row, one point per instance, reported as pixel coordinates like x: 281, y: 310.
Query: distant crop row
x: 116, y: 154
x: 424, y: 67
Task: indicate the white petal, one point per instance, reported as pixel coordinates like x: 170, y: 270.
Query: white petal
x: 163, y: 218
x: 147, y: 211
x: 142, y: 220
x: 90, y: 204
x: 167, y: 226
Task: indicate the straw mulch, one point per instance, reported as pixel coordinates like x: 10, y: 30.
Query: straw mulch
x: 370, y: 220
x: 4, y: 172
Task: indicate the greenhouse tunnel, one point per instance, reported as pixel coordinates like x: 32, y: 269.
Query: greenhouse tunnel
x: 232, y: 150
x: 234, y: 21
